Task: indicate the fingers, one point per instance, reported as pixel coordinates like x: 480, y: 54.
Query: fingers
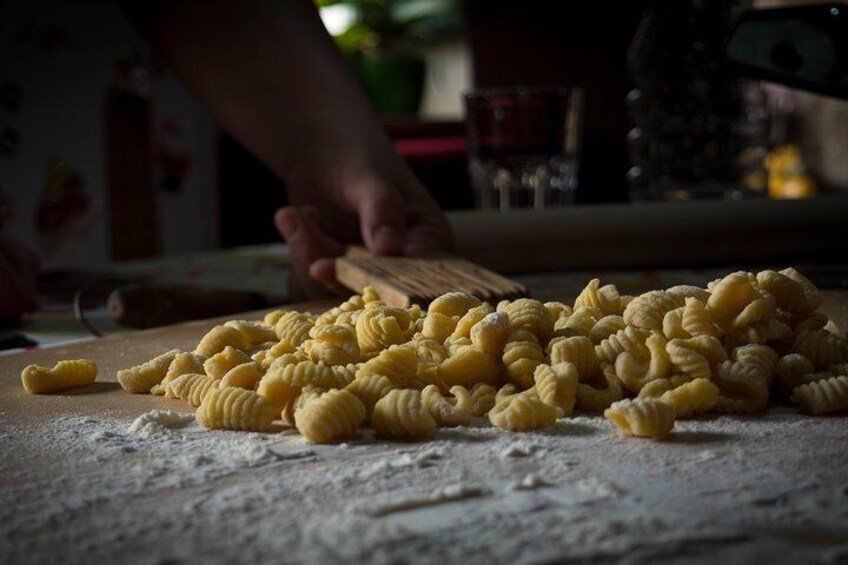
x: 382, y: 216
x: 309, y: 245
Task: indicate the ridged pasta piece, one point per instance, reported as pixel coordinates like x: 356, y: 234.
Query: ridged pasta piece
x: 735, y: 303
x: 597, y: 399
x: 770, y: 330
x: 438, y: 327
x: 580, y: 322
x: 522, y: 354
x: 191, y: 387
x: 293, y: 406
x: 62, y: 376
x: 696, y: 356
x: 470, y: 319
x: 468, y: 366
x: 530, y: 315
x: 672, y: 326
x: 790, y: 370
x: 369, y: 389
x: 696, y: 319
x: 352, y: 304
x: 454, y: 304
x: 231, y: 408
x: 182, y: 364
x: 763, y: 357
x: 644, y: 417
x: 789, y: 294
x: 694, y: 397
x: 839, y: 369
x: 482, y: 399
x: 523, y: 412
x: 254, y: 332
x: 345, y: 374
x: 267, y: 357
x: 821, y: 347
x: 245, y: 375
x: 637, y: 368
x: 742, y: 388
x: 333, y: 416
x: 490, y: 333
x: 605, y: 327
x: 141, y: 378
x: 815, y: 321
x: 556, y: 385
x: 689, y: 291
x: 332, y: 345
x: 429, y: 350
x: 448, y: 412
x: 823, y: 397
x: 399, y: 363
x: 382, y: 326
x: 283, y: 383
x: 628, y: 339
x: 220, y: 337
x: 293, y: 327
x: 218, y: 364
x: 557, y: 310
x: 813, y: 296
x: 401, y: 414
x: 604, y: 298
x: 648, y: 310
x: 578, y: 351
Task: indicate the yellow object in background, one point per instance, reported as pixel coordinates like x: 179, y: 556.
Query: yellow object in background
x: 787, y: 175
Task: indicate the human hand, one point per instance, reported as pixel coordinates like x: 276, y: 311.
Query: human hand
x: 385, y: 208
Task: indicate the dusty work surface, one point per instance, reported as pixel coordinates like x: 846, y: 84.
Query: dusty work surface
x: 82, y: 483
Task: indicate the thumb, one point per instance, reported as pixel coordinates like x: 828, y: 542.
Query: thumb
x: 382, y: 217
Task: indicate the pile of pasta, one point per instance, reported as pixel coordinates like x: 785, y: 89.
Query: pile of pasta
x: 643, y: 361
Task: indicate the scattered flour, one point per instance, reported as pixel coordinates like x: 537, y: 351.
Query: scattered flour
x: 529, y: 482
x: 157, y: 421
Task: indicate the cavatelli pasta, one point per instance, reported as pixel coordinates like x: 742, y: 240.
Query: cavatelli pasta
x: 605, y: 299
x: 821, y: 347
x: 790, y: 370
x: 332, y: 345
x: 696, y: 356
x: 254, y: 332
x: 220, y: 337
x: 637, y: 368
x: 293, y: 328
x: 191, y: 387
x: 333, y: 416
x: 644, y: 417
x: 282, y: 384
x: 401, y: 414
x: 381, y: 327
x: 482, y: 399
x: 141, y: 378
x: 628, y: 339
x: 824, y: 396
x: 521, y: 355
x: 369, y: 389
x: 763, y: 357
x: 245, y: 375
x: 596, y: 399
x: 490, y: 333
x: 218, y: 364
x: 580, y: 322
x: 470, y: 319
x: 578, y: 351
x: 789, y: 294
x: 438, y: 327
x: 693, y: 397
x: 231, y: 408
x: 62, y: 376
x: 556, y: 385
x: 689, y: 291
x: 523, y: 412
x: 399, y: 364
x: 741, y: 386
x: 605, y: 327
x: 468, y: 366
x: 530, y: 315
x: 448, y: 412
x: 454, y: 304
x: 183, y: 364
x: 648, y: 310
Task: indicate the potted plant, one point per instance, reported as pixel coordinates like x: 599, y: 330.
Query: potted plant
x: 384, y: 40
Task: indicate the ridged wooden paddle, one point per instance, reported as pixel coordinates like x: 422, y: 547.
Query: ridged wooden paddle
x: 402, y: 281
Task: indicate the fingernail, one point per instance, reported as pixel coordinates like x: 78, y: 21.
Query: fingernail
x: 289, y: 226
x: 388, y: 239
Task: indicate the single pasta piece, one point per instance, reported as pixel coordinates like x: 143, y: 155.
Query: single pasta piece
x: 672, y: 326
x: 63, y: 375
x: 219, y: 363
x: 605, y: 327
x: 220, y: 337
x: 523, y: 412
x: 770, y: 330
x: 468, y: 366
x: 482, y: 399
x: 735, y: 303
x: 293, y: 327
x: 232, y: 408
x: 578, y: 351
x: 344, y: 373
x: 141, y: 378
x: 470, y: 319
x: 352, y: 304
x: 267, y: 357
x: 742, y: 388
x: 382, y: 326
x: 604, y: 298
x: 657, y: 388
x: 813, y: 296
x: 333, y: 416
x: 521, y: 355
x: 333, y: 345
x: 245, y: 375
x: 438, y: 327
x: 183, y: 364
x: 530, y: 315
x: 369, y: 389
x: 597, y: 399
x: 490, y: 333
x: 694, y: 397
x: 557, y: 310
x: 453, y: 304
x: 401, y: 414
x: 696, y: 319
x: 689, y: 291
x: 429, y: 350
x: 645, y: 364
x: 791, y: 369
x: 696, y: 356
x: 580, y: 322
x: 448, y: 412
x: 823, y: 397
x: 399, y: 364
x: 644, y: 417
x: 628, y: 339
x: 648, y: 310
x: 789, y: 294
x: 191, y: 387
x: 763, y: 357
x: 293, y: 406
x: 255, y: 333
x: 822, y: 348
x: 556, y: 386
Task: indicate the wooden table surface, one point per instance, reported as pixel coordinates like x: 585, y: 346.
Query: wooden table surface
x: 78, y: 487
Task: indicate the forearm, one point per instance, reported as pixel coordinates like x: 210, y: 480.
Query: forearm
x: 273, y: 78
